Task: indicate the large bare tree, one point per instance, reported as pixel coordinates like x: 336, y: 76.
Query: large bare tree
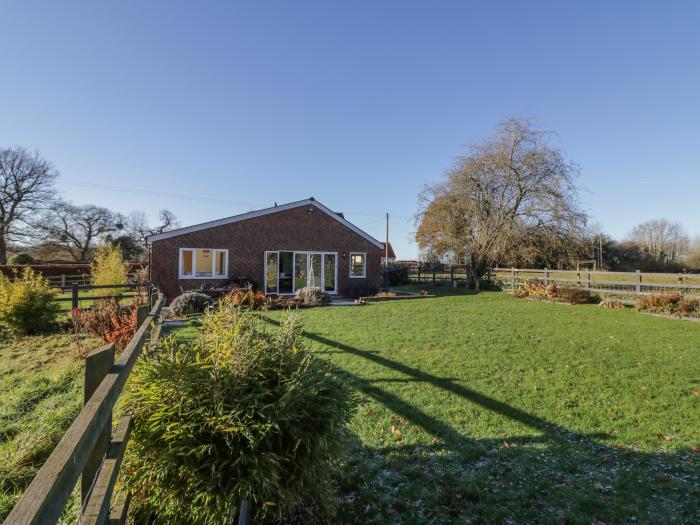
x: 660, y: 240
x: 26, y: 187
x: 76, y: 229
x: 139, y: 229
x: 512, y: 197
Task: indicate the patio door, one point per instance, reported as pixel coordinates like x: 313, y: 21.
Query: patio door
x: 287, y: 272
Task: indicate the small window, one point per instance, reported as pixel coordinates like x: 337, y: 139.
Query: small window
x: 358, y: 264
x: 203, y: 263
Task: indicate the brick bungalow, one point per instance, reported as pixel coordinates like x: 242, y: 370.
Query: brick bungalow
x: 281, y: 249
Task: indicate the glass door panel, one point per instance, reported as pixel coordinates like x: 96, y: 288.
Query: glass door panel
x: 286, y: 272
x: 300, y: 270
x: 329, y: 272
x: 315, y: 270
x: 271, y: 272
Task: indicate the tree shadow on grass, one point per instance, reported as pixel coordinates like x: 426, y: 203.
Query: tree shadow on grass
x: 554, y: 476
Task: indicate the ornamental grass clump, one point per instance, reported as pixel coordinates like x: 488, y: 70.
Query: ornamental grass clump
x: 537, y: 290
x: 246, y: 298
x: 243, y: 412
x: 670, y: 303
x: 313, y: 296
x: 27, y: 304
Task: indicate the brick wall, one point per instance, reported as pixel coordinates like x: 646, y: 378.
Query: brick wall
x: 297, y: 229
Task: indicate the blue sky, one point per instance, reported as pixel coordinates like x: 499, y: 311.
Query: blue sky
x: 229, y: 106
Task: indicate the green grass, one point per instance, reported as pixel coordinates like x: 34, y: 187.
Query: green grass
x: 483, y: 408
x: 41, y: 385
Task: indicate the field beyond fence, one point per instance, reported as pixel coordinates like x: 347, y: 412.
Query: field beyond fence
x: 624, y: 285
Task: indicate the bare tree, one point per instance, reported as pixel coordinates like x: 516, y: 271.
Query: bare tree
x: 76, y: 229
x: 513, y: 196
x: 139, y: 229
x: 660, y: 240
x: 26, y: 186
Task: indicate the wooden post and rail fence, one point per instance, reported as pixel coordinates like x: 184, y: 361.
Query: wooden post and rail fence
x: 75, y: 292
x: 626, y: 285
x: 92, y: 450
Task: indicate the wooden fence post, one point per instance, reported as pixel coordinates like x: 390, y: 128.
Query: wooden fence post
x: 546, y: 277
x: 141, y: 314
x: 638, y: 286
x: 63, y: 280
x: 74, y: 296
x: 433, y: 274
x: 588, y: 280
x: 578, y: 279
x: 512, y: 286
x: 452, y: 276
x: 98, y: 363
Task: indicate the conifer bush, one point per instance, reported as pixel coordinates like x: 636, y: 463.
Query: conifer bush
x: 21, y: 258
x: 190, y: 303
x: 242, y: 412
x: 27, y: 304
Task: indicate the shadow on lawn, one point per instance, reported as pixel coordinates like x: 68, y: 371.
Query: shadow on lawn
x: 558, y: 477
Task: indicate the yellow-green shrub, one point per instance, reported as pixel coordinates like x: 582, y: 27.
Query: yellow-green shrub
x: 109, y: 267
x: 243, y: 412
x: 27, y: 304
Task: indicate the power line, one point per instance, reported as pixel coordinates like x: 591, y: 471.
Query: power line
x: 153, y: 193
x: 200, y: 198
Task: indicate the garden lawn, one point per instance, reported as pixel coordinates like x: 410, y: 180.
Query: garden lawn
x: 483, y: 408
x: 41, y: 392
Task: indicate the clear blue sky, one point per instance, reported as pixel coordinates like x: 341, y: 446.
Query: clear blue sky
x: 356, y: 103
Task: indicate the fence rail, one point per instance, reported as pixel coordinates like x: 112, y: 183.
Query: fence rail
x: 75, y: 290
x: 89, y: 448
x: 63, y: 275
x: 625, y: 285
x: 622, y: 284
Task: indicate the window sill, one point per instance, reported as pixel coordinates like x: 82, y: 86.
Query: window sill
x: 194, y: 278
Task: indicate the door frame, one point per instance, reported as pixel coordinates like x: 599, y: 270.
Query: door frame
x: 294, y: 268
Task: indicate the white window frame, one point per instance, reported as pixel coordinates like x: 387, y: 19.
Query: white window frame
x: 364, y: 265
x: 214, y: 254
x: 294, y: 268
